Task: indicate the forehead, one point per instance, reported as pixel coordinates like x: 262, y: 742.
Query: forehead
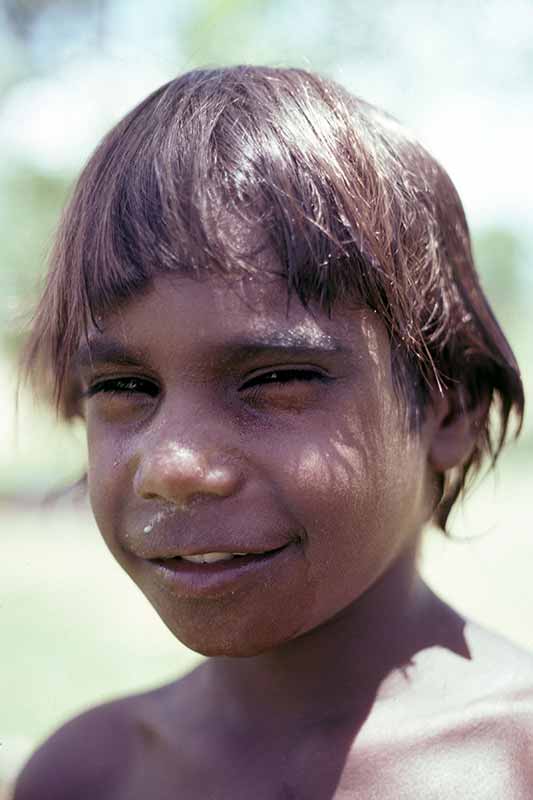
x: 181, y: 312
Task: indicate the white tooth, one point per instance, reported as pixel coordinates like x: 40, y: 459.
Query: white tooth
x: 208, y: 558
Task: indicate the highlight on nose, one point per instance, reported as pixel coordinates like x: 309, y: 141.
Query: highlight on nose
x: 176, y: 474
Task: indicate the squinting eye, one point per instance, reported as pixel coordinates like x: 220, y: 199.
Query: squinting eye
x: 123, y: 386
x: 284, y: 376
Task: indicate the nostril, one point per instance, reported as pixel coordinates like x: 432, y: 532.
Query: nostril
x: 149, y: 495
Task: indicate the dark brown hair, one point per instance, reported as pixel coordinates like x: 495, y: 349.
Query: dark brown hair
x: 349, y: 203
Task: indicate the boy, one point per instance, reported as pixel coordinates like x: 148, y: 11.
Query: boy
x: 263, y: 302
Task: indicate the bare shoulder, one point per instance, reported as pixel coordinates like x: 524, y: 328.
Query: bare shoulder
x: 463, y: 725
x: 488, y: 673
x: 504, y: 697
x: 495, y: 726
x: 503, y: 669
x: 484, y: 720
x: 487, y: 690
x: 84, y: 758
x: 93, y: 754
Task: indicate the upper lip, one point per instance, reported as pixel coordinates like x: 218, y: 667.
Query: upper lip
x: 174, y: 540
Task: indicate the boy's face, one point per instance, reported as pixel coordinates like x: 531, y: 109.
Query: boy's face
x: 218, y: 423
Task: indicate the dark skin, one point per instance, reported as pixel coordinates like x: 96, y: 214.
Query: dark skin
x: 220, y: 423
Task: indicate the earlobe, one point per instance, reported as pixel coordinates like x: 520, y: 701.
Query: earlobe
x: 456, y: 430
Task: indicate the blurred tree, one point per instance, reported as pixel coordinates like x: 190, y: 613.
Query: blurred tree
x: 29, y: 211
x: 205, y: 36
x: 23, y: 15
x: 500, y: 258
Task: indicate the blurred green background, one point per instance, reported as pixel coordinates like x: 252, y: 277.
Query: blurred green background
x: 459, y: 74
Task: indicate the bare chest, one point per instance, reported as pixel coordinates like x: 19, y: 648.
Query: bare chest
x: 408, y: 768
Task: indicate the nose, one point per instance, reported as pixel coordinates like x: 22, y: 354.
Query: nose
x: 178, y: 473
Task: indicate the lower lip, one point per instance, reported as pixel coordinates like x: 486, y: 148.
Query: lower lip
x: 188, y: 578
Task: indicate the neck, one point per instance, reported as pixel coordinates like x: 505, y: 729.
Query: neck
x: 338, y: 670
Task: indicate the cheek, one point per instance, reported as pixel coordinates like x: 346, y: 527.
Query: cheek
x: 337, y: 489
x: 356, y: 494
x: 107, y: 483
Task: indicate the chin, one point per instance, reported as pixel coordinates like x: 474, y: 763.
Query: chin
x: 222, y: 638
x: 211, y: 643
x: 230, y: 649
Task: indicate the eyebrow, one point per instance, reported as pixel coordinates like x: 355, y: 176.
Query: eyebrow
x: 104, y: 350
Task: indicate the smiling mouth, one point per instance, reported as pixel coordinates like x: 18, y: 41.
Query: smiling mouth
x: 206, y: 559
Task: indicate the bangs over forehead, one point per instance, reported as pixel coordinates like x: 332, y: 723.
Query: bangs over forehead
x: 349, y: 205
x: 334, y: 187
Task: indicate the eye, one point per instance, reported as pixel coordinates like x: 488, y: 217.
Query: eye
x: 284, y: 388
x: 123, y: 386
x: 281, y: 377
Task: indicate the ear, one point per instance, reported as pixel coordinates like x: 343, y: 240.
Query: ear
x: 456, y: 428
